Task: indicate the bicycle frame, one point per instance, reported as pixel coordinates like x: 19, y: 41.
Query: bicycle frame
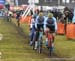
x: 40, y: 42
x: 40, y: 37
x: 50, y: 41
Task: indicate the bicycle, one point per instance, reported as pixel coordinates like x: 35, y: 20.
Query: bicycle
x: 39, y: 43
x: 39, y: 48
x: 50, y: 42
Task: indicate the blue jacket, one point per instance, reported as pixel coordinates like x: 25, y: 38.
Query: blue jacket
x: 37, y: 21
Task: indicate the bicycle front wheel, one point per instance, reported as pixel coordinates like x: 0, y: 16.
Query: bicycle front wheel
x: 40, y: 46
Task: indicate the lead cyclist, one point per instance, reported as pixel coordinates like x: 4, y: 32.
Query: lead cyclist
x: 50, y: 19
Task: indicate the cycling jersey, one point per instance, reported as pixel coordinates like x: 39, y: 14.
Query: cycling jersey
x: 39, y: 22
x: 32, y: 23
x: 52, y: 24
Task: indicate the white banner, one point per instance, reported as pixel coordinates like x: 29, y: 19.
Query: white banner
x: 33, y: 1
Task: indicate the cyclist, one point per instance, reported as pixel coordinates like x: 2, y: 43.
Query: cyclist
x: 50, y: 25
x: 39, y: 25
x: 18, y: 17
x: 32, y: 29
x: 32, y: 26
x: 10, y: 14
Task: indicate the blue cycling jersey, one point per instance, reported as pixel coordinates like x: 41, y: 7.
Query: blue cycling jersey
x: 54, y: 23
x: 50, y: 21
x: 39, y: 20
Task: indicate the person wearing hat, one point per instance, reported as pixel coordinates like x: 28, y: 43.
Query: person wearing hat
x: 50, y: 25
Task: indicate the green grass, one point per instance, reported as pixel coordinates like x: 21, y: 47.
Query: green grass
x: 64, y: 47
x: 14, y: 47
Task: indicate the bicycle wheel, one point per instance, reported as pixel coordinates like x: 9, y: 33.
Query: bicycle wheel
x: 50, y: 44
x: 40, y: 45
x: 40, y: 50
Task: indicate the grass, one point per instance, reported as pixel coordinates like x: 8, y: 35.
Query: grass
x: 64, y: 47
x: 14, y: 47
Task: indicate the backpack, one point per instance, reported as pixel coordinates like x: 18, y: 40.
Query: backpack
x: 41, y: 19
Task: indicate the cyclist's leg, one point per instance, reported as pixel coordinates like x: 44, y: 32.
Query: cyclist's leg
x: 46, y: 41
x: 40, y: 42
x: 46, y: 33
x: 36, y: 39
x: 37, y: 36
x: 41, y: 31
x: 32, y: 36
x: 53, y: 37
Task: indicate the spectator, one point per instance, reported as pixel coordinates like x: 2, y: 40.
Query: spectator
x: 18, y: 17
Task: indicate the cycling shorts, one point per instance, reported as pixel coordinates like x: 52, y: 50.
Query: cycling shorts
x: 51, y: 28
x: 40, y: 26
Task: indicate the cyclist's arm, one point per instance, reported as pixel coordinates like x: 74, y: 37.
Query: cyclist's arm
x: 45, y: 22
x: 36, y: 22
x: 55, y: 23
x: 31, y: 24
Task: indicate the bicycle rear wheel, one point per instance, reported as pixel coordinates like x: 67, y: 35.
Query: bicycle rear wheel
x: 40, y: 46
x: 40, y: 50
x: 50, y: 44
